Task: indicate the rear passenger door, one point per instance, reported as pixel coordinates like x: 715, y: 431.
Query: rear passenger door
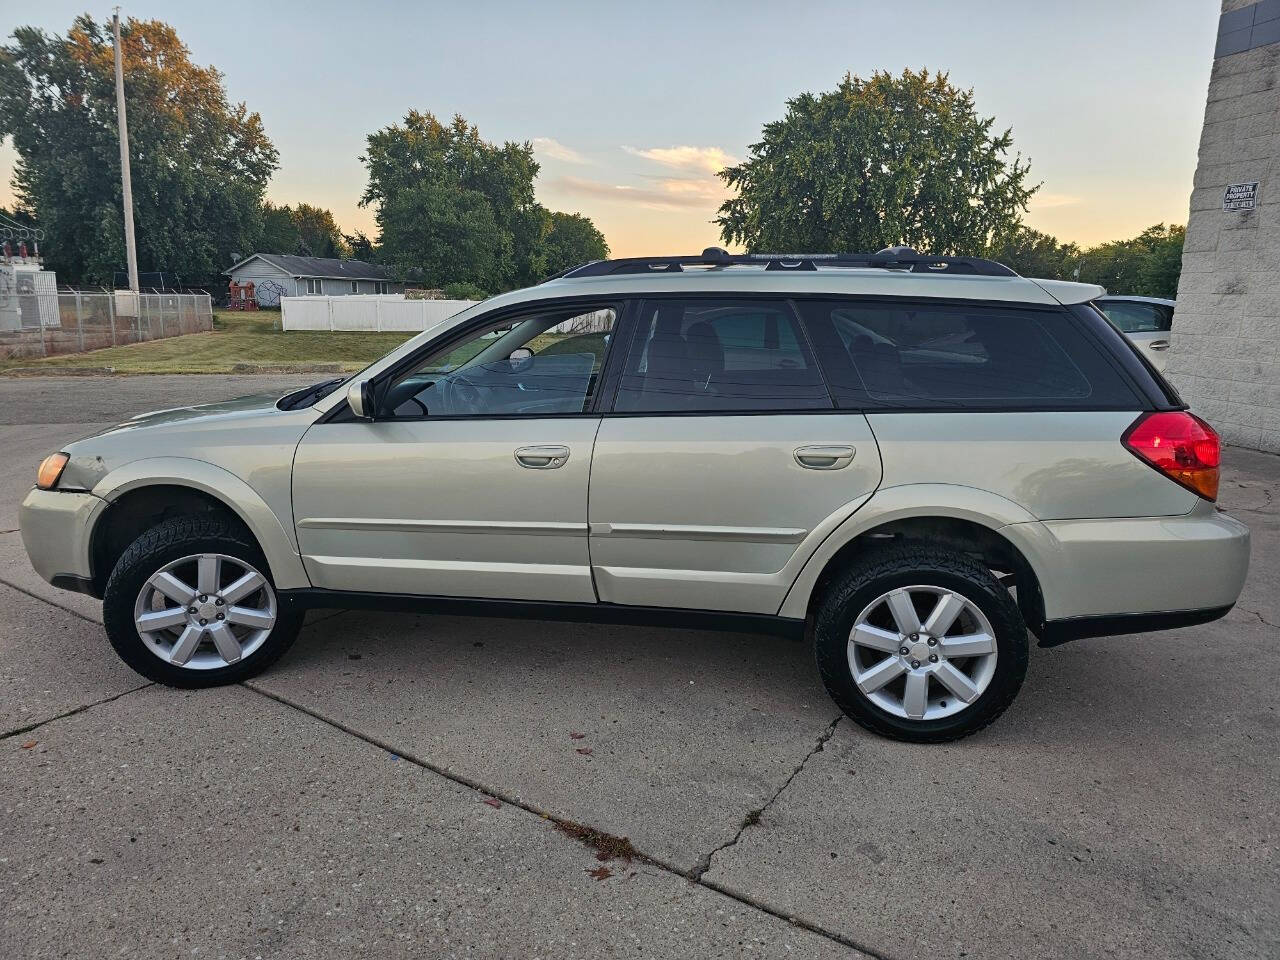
x: 1146, y: 324
x: 1017, y: 400
x: 722, y: 463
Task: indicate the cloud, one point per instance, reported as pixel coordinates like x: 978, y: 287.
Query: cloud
x: 673, y: 193
x: 555, y: 150
x: 705, y: 159
x: 1047, y: 201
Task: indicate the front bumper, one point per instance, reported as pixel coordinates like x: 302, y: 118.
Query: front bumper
x: 56, y: 527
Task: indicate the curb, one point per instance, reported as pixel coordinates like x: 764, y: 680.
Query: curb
x: 287, y: 368
x: 60, y: 371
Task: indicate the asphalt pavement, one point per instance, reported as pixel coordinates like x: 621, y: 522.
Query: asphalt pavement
x: 403, y: 785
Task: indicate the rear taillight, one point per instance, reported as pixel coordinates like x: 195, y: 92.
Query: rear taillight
x: 1181, y: 446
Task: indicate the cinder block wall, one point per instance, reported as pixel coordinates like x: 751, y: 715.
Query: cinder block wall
x: 1225, y: 352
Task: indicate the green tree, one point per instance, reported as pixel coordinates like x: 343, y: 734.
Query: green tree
x: 443, y: 235
x: 1148, y: 265
x: 200, y: 164
x: 874, y: 163
x: 402, y: 159
x: 304, y: 229
x: 318, y: 233
x: 572, y: 240
x: 362, y: 247
x: 279, y: 232
x: 1035, y: 254
x: 421, y: 152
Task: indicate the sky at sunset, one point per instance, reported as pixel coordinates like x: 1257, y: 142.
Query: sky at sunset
x: 632, y: 108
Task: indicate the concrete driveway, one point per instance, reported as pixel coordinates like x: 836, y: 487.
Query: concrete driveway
x: 405, y: 785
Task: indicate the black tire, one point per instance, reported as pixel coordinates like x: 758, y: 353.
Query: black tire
x: 905, y: 564
x: 162, y: 544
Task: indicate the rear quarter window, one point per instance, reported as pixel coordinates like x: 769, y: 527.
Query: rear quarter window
x: 922, y: 355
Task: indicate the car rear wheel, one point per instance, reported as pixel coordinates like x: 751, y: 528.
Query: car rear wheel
x: 920, y: 643
x: 191, y: 604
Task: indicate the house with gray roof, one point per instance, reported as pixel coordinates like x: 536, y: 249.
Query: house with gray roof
x: 276, y: 275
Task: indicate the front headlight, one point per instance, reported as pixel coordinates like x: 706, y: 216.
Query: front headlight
x: 50, y: 470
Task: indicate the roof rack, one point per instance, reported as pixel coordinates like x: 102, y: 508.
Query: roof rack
x: 892, y: 258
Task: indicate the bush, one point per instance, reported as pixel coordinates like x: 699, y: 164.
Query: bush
x: 464, y: 291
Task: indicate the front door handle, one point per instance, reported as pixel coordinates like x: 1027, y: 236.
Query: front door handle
x: 1159, y: 344
x: 824, y: 456
x: 542, y: 457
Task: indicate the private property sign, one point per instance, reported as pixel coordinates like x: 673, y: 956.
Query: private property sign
x: 1240, y: 196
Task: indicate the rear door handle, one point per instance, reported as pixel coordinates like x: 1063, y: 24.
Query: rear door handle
x: 1159, y: 344
x: 547, y: 457
x: 824, y: 456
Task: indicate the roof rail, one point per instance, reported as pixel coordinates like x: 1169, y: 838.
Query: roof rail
x: 892, y: 258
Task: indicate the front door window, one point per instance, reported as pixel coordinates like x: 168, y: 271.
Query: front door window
x: 544, y: 364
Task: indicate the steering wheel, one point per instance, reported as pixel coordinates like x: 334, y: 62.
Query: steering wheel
x: 463, y: 395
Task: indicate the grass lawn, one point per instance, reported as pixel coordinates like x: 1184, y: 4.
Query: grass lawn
x: 236, y: 338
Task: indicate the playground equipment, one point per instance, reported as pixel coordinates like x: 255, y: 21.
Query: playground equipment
x: 242, y: 296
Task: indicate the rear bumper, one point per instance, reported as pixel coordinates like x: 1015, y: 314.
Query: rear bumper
x: 56, y: 526
x: 1101, y: 577
x: 1056, y: 632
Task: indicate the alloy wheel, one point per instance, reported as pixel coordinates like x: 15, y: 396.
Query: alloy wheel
x: 922, y: 652
x: 205, y: 611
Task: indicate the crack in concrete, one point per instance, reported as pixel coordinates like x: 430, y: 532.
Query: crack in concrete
x: 1261, y: 618
x: 561, y: 823
x: 73, y: 711
x: 328, y: 616
x: 36, y: 596
x: 565, y: 825
x: 753, y: 816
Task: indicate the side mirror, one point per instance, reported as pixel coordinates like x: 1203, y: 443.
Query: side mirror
x: 521, y: 359
x: 360, y: 399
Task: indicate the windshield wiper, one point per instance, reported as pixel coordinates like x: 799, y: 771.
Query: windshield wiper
x: 308, y: 395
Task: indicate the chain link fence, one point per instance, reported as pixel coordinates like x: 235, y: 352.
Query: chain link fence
x: 42, y: 324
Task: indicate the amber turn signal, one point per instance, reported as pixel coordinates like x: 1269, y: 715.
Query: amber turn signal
x: 50, y: 470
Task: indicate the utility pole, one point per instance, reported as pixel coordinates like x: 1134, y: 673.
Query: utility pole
x: 130, y: 250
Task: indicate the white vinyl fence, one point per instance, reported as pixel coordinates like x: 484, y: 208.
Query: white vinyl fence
x: 366, y: 312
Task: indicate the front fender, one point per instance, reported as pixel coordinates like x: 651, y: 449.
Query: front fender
x: 271, y: 533
x: 900, y: 503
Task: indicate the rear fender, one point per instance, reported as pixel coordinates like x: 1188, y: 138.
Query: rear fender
x: 903, y: 502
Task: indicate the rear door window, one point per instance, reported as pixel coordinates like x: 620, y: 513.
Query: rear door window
x: 719, y: 355
x: 1131, y: 316
x: 907, y: 354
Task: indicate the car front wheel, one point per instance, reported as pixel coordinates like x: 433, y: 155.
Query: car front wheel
x: 920, y: 643
x: 191, y: 604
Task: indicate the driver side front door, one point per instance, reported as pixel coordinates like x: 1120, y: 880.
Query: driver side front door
x: 473, y: 483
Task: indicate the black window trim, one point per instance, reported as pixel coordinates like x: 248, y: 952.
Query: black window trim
x: 1124, y: 354
x: 1142, y: 397
x: 341, y: 413
x: 1134, y: 369
x: 1147, y: 395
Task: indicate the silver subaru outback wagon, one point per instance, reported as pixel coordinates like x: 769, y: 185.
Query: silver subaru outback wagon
x: 913, y: 462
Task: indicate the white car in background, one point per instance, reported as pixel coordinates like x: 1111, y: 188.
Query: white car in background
x: 1144, y: 320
